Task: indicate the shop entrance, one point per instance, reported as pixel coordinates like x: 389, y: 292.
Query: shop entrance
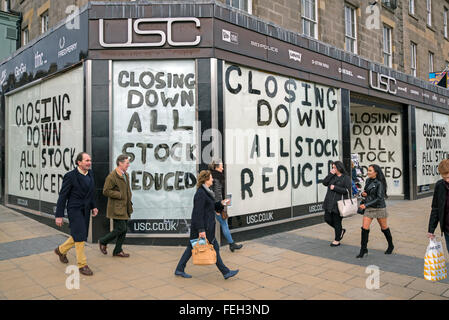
x: 378, y: 136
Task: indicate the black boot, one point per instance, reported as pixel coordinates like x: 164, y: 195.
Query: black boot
x: 387, y: 234
x: 233, y: 246
x: 364, y: 249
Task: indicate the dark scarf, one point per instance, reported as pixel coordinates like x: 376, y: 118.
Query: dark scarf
x: 209, y: 191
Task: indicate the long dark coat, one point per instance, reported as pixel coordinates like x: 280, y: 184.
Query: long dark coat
x: 438, y: 215
x: 203, y: 214
x: 341, y: 186
x: 78, y: 200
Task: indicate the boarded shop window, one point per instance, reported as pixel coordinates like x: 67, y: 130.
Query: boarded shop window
x: 309, y: 18
x: 413, y: 58
x: 350, y: 29
x: 387, y: 46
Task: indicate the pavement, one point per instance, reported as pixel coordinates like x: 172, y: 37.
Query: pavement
x: 293, y: 265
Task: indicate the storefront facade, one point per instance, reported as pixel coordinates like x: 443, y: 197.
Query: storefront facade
x: 175, y: 86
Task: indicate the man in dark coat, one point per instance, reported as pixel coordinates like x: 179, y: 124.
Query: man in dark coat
x: 78, y: 196
x: 440, y: 204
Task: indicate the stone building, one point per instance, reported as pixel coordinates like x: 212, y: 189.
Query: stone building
x: 410, y: 36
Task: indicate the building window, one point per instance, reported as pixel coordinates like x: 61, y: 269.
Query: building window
x: 429, y: 13
x: 245, y: 5
x: 387, y: 46
x: 430, y: 61
x: 411, y: 7
x: 445, y: 14
x: 350, y: 29
x: 413, y: 58
x: 44, y: 22
x: 25, y: 36
x: 5, y: 5
x: 309, y: 18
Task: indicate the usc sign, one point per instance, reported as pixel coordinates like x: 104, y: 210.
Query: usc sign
x: 165, y: 36
x: 382, y: 83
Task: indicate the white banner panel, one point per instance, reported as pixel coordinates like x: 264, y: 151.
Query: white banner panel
x: 154, y: 107
x: 280, y: 134
x: 376, y: 136
x: 432, y: 145
x: 45, y: 132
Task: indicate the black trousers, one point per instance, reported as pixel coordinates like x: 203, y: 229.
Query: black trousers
x: 334, y: 220
x: 188, y: 253
x: 119, y: 233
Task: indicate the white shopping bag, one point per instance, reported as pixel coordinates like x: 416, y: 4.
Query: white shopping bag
x: 434, y: 262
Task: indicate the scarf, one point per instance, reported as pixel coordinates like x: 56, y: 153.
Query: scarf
x: 209, y: 191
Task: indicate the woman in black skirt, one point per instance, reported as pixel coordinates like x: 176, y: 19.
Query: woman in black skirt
x: 374, y: 207
x: 339, y: 186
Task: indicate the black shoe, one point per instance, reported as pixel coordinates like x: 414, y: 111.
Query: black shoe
x: 183, y: 274
x: 362, y: 253
x: 230, y: 274
x: 233, y: 246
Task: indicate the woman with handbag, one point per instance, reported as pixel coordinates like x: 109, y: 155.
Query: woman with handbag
x: 339, y: 185
x: 218, y: 187
x: 373, y: 207
x: 203, y: 224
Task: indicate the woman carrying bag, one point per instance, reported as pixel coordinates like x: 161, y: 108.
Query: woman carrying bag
x: 339, y: 186
x: 218, y: 187
x: 374, y: 207
x: 203, y: 224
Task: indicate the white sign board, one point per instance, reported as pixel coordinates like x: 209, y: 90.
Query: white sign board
x: 154, y: 106
x: 376, y: 136
x: 280, y: 136
x: 45, y: 132
x: 432, y: 145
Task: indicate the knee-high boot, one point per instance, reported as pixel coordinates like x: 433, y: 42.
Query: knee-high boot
x: 364, y: 243
x: 389, y: 238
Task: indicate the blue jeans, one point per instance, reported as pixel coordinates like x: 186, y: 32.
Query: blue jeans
x: 224, y: 228
x: 188, y: 253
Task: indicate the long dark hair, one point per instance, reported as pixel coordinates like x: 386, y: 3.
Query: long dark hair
x: 380, y: 176
x: 340, y: 167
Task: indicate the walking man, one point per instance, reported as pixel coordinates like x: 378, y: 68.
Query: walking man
x: 77, y: 194
x: 117, y: 189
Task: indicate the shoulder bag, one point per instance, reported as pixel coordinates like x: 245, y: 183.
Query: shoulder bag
x: 347, y: 207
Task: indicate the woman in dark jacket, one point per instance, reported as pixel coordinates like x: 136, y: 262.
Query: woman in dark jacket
x: 440, y: 204
x: 374, y: 207
x: 203, y: 224
x: 218, y: 188
x: 339, y: 186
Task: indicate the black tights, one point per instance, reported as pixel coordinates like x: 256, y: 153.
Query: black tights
x: 334, y: 220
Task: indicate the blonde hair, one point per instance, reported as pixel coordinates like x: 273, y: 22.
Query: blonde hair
x: 203, y: 176
x: 443, y: 167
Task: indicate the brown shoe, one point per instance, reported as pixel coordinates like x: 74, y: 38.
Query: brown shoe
x: 86, y: 271
x: 102, y: 248
x: 62, y: 257
x: 121, y: 254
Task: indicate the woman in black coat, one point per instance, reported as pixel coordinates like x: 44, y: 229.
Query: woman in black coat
x: 339, y: 186
x: 440, y: 204
x: 203, y: 224
x: 374, y: 207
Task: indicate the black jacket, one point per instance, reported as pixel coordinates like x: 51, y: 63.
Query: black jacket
x: 438, y: 205
x: 375, y: 197
x: 203, y: 214
x: 218, y: 186
x: 78, y: 200
x: 341, y: 186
